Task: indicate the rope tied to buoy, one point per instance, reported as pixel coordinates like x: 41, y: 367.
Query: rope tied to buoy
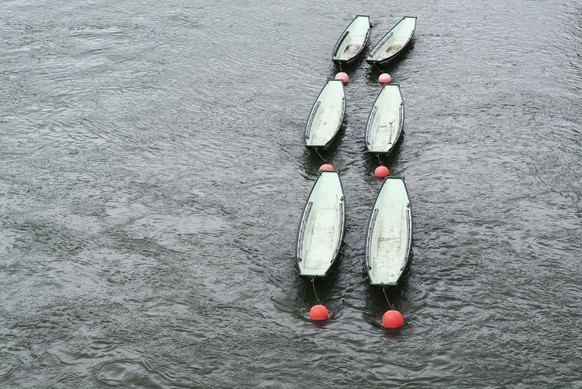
x: 317, y: 151
x: 386, y: 296
x: 314, y: 291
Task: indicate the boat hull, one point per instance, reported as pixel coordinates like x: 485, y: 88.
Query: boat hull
x: 394, y: 42
x: 389, y: 237
x: 352, y: 41
x: 326, y: 116
x: 322, y: 226
x: 385, y: 121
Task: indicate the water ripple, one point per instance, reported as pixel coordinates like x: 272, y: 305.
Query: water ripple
x: 154, y: 172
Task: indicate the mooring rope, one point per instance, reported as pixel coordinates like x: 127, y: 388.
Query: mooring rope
x: 317, y: 151
x: 379, y: 160
x: 390, y: 305
x: 314, y: 292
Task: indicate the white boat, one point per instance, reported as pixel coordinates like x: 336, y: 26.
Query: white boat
x: 394, y: 42
x: 322, y: 226
x: 386, y: 120
x: 353, y: 40
x: 389, y: 237
x: 326, y: 116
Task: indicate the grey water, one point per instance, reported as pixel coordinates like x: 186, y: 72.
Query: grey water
x: 153, y: 173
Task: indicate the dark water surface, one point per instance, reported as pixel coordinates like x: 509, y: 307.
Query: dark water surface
x: 153, y: 174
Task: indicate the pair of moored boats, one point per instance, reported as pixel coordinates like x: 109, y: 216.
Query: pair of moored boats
x: 384, y: 125
x: 389, y: 232
x: 388, y: 238
x: 386, y: 117
x: 355, y: 38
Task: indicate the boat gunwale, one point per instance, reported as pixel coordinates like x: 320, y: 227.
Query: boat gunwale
x: 373, y: 111
x: 370, y: 229
x: 344, y: 34
x: 310, y: 119
x: 299, y: 239
x: 390, y: 58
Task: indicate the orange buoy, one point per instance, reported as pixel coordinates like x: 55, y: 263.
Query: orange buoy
x: 318, y: 312
x: 381, y: 172
x: 392, y: 319
x: 343, y: 77
x: 326, y: 166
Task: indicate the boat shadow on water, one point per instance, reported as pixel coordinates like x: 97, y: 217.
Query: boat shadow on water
x: 349, y: 68
x: 321, y: 291
x: 376, y: 303
x: 314, y: 157
x: 388, y: 159
x: 390, y: 67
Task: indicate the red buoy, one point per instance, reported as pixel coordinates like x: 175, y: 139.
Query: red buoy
x: 318, y: 312
x: 392, y: 319
x: 326, y: 166
x: 343, y: 77
x: 385, y: 78
x: 381, y: 172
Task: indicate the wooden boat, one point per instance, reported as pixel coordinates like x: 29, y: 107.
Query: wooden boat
x: 386, y: 120
x: 353, y: 40
x: 394, y: 42
x: 322, y: 226
x: 326, y: 116
x: 389, y: 237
